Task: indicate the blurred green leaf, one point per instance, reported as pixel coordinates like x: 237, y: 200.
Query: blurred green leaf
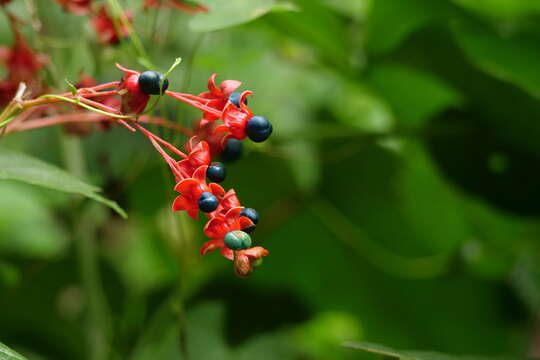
x: 416, y: 355
x: 502, y: 8
x: 227, y: 13
x: 21, y: 167
x: 514, y: 59
x: 8, y: 354
x: 362, y: 109
x: 391, y: 21
x: 415, y: 96
x: 26, y: 227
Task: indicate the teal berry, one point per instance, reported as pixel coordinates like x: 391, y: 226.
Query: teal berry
x: 237, y: 240
x: 150, y: 82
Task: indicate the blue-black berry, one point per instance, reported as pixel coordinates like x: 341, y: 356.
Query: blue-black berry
x: 252, y: 215
x: 237, y: 240
x: 258, y: 128
x: 150, y: 82
x: 232, y: 151
x: 235, y: 99
x: 208, y: 202
x: 216, y: 172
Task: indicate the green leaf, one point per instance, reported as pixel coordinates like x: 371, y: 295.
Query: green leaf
x: 26, y: 227
x: 414, y: 96
x: 21, y: 167
x: 511, y: 59
x: 227, y: 13
x: 391, y: 21
x: 415, y: 355
x: 8, y: 354
x: 501, y: 8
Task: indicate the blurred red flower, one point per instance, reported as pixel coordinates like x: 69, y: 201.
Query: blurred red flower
x: 77, y: 7
x: 104, y: 25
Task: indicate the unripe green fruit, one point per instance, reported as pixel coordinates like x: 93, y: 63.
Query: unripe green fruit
x: 237, y: 240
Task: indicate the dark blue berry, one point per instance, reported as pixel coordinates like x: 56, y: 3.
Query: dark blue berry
x: 235, y: 99
x: 232, y: 151
x: 150, y: 82
x: 237, y: 240
x: 208, y: 202
x: 258, y: 128
x: 252, y: 215
x: 216, y: 172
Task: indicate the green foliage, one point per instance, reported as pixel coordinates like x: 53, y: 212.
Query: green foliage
x: 8, y: 354
x: 398, y: 194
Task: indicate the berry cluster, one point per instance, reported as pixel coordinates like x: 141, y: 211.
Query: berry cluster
x: 226, y: 120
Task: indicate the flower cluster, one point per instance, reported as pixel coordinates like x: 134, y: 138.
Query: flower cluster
x: 225, y: 121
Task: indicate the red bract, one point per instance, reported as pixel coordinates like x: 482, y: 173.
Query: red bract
x: 134, y: 101
x: 77, y: 7
x: 219, y: 226
x: 244, y: 260
x: 217, y: 98
x: 191, y: 189
x: 235, y: 119
x: 199, y: 155
x: 184, y: 6
x: 104, y: 25
x: 7, y: 91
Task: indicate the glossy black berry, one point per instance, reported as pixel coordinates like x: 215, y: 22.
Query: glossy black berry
x: 252, y: 215
x: 216, y: 172
x: 232, y: 151
x: 208, y: 202
x: 258, y: 128
x: 150, y: 82
x: 235, y: 99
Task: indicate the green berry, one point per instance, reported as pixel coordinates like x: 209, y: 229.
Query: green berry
x: 237, y: 240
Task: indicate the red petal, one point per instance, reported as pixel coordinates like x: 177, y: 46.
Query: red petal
x: 242, y: 100
x: 256, y: 252
x: 212, y: 86
x: 187, y: 186
x: 200, y: 155
x: 181, y: 203
x: 228, y: 86
x: 221, y: 129
x: 216, y: 189
x: 200, y: 175
x: 126, y: 70
x: 232, y: 217
x: 242, y: 265
x: 245, y: 222
x: 216, y: 228
x: 227, y: 253
x: 210, y: 246
x: 193, y: 213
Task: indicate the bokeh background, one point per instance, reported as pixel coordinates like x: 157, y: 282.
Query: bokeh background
x: 398, y: 195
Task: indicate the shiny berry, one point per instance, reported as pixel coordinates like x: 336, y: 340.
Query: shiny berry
x: 216, y: 172
x: 258, y: 128
x: 252, y: 215
x: 237, y: 240
x: 235, y: 99
x: 150, y: 82
x: 208, y: 202
x: 232, y: 151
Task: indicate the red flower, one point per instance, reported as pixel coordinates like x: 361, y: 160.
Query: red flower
x: 188, y: 7
x: 7, y: 91
x: 199, y: 155
x: 21, y: 61
x: 134, y: 101
x: 104, y: 25
x: 217, y: 98
x: 245, y: 260
x: 219, y: 226
x: 3, y: 2
x: 191, y: 189
x: 77, y: 7
x: 227, y: 202
x: 235, y: 119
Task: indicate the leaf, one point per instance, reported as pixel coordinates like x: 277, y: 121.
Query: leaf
x: 391, y: 21
x: 513, y: 59
x: 501, y: 8
x: 26, y: 226
x: 21, y: 167
x: 8, y: 354
x: 414, y: 96
x: 227, y: 13
x: 415, y: 355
